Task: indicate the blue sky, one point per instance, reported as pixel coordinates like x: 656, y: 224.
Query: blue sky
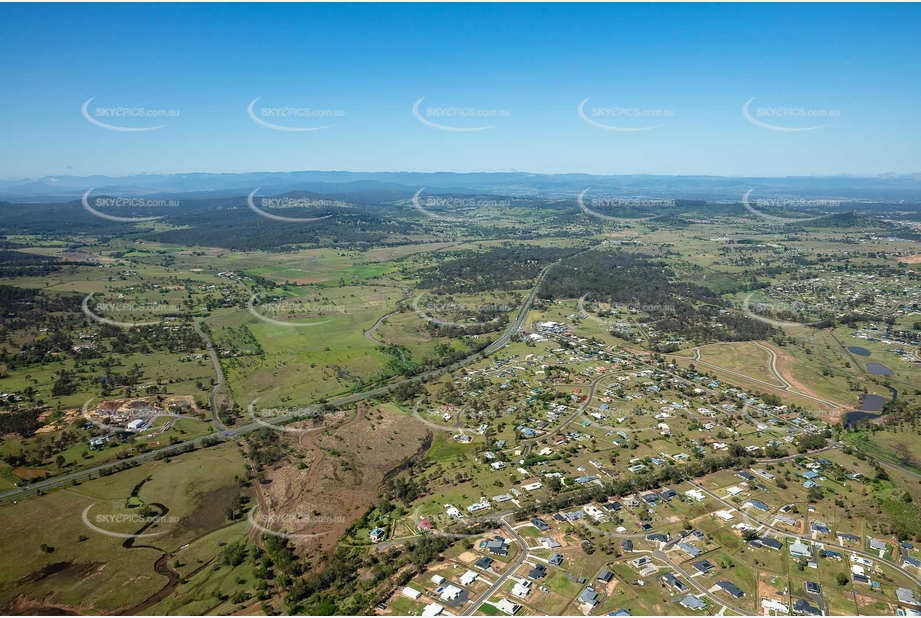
x: 686, y: 70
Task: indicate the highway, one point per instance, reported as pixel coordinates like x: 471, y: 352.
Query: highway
x: 228, y: 433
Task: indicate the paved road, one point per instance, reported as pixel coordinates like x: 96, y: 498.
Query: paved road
x: 579, y: 411
x: 773, y: 364
x: 786, y: 388
x: 473, y: 607
x: 804, y: 537
x: 226, y: 433
x: 215, y: 419
x: 679, y: 572
x: 369, y: 334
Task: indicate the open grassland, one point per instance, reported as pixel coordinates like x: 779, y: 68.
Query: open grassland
x: 85, y: 570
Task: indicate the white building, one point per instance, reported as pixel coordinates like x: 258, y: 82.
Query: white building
x: 412, y: 593
x: 468, y: 578
x: 434, y: 609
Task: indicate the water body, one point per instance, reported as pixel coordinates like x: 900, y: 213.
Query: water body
x: 878, y: 369
x: 870, y: 407
x: 872, y: 403
x: 859, y: 351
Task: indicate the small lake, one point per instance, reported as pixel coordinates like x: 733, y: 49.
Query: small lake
x: 878, y: 369
x: 872, y: 403
x: 859, y: 351
x: 870, y: 407
x: 853, y: 417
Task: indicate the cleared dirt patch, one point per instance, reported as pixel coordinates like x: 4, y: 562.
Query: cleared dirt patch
x: 340, y: 474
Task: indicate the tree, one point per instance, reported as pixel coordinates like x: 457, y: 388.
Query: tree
x: 842, y: 579
x: 815, y: 494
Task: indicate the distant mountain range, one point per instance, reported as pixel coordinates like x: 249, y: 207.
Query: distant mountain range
x: 892, y: 188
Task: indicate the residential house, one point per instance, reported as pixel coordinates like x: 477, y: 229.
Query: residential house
x: 674, y: 583
x: 432, y: 609
x: 876, y: 544
x: 507, y: 607
x: 484, y: 563
x: 693, y: 603
x: 588, y: 600
x: 730, y: 588
x: 468, y: 578
x: 906, y: 596
x: 703, y: 567
x: 800, y: 550
x: 538, y: 572
x: 802, y: 606
x: 451, y: 593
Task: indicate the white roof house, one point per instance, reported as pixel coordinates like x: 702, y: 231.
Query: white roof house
x: 769, y: 605
x: 450, y: 593
x: 438, y: 579
x: 507, y: 607
x: 412, y: 593
x: 521, y: 590
x: 433, y: 609
x: 468, y: 578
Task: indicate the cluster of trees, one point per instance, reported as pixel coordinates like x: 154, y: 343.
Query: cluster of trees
x: 638, y: 281
x: 498, y: 268
x: 18, y: 264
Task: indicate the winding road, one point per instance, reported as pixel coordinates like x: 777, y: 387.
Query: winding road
x: 215, y: 418
x: 229, y: 433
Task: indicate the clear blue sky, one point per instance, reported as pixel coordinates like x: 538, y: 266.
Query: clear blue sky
x: 538, y: 62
